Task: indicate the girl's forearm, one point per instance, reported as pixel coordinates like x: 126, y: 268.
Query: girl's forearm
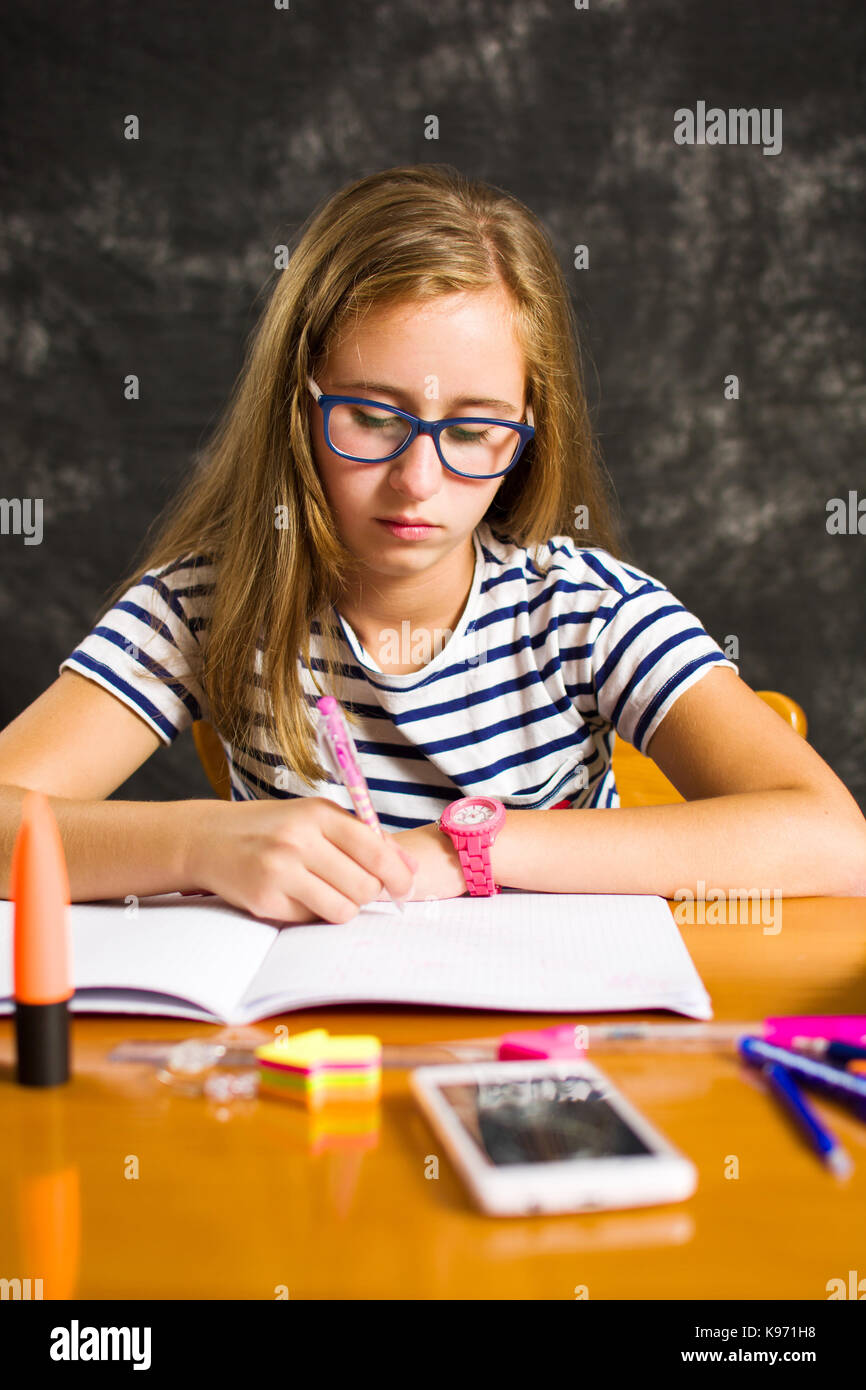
x: 112, y: 848
x: 788, y: 841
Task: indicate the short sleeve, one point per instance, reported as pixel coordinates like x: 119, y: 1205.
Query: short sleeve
x: 650, y: 650
x: 146, y: 650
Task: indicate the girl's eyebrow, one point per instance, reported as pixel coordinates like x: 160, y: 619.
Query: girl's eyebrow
x: 340, y: 387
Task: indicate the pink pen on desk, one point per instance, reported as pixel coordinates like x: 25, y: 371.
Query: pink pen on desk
x: 337, y: 749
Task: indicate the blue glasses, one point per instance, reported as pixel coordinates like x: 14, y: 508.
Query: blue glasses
x: 471, y: 446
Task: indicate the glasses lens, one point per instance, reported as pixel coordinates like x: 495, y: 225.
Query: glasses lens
x: 369, y: 432
x: 366, y: 432
x: 481, y: 450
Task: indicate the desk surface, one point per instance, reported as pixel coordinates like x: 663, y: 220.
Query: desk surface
x: 244, y: 1202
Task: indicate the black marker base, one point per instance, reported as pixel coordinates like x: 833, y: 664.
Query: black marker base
x: 42, y: 1040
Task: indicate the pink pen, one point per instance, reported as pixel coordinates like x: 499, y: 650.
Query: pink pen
x: 337, y: 748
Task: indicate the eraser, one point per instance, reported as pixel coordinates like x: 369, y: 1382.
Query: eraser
x: 561, y: 1041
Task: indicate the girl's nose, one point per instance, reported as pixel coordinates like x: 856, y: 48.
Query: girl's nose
x: 418, y: 469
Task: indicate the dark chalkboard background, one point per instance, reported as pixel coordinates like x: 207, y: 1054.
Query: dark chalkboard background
x: 148, y: 257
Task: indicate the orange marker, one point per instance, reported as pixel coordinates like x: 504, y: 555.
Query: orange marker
x: 42, y: 947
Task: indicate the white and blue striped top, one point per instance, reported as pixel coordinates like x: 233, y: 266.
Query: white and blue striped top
x: 558, y: 648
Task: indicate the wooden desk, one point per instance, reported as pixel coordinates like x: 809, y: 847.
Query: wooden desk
x: 232, y: 1204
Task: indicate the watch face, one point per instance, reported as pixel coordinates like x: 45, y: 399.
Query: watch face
x: 474, y: 814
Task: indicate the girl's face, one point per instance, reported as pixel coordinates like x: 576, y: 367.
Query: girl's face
x: 455, y: 355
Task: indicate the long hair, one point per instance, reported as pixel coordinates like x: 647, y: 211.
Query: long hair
x: 404, y: 234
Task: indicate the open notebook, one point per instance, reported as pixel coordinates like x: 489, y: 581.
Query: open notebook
x: 200, y: 958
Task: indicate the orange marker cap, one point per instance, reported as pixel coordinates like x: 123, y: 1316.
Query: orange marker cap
x: 40, y: 890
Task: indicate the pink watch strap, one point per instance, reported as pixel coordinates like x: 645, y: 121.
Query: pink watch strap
x: 475, y: 863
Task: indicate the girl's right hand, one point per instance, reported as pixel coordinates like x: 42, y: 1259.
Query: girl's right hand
x: 298, y: 861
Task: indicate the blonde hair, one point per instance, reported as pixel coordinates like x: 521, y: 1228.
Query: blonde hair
x: 400, y: 235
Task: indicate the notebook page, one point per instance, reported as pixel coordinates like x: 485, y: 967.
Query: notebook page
x: 200, y: 949
x: 536, y: 952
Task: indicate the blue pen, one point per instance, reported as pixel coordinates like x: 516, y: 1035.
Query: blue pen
x: 836, y: 1081
x: 830, y: 1051
x: 826, y: 1144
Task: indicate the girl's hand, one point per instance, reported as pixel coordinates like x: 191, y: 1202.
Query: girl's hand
x: 303, y: 861
x: 439, y: 873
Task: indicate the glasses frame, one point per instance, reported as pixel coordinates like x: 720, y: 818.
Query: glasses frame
x: 418, y: 426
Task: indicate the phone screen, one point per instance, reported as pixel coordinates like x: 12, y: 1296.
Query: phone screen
x: 542, y: 1120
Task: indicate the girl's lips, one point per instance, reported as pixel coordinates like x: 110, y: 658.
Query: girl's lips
x: 414, y: 531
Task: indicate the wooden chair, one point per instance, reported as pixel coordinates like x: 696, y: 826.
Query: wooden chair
x: 212, y: 757
x: 639, y: 781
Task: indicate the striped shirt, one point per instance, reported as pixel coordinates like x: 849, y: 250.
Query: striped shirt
x: 558, y: 649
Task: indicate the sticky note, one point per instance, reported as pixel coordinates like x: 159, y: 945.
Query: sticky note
x: 317, y: 1067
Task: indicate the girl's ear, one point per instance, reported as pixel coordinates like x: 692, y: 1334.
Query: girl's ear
x: 530, y: 418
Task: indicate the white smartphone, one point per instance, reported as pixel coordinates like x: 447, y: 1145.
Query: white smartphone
x: 530, y: 1137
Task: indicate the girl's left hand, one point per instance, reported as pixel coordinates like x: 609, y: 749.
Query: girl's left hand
x: 439, y: 873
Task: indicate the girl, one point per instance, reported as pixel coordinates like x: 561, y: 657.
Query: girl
x: 456, y: 585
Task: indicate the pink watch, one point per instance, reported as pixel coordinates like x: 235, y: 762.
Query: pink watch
x: 472, y: 823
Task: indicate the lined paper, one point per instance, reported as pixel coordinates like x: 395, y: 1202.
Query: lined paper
x: 536, y: 952
x: 199, y: 950
x: 533, y: 952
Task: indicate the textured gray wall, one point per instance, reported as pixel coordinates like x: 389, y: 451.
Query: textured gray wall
x: 147, y: 257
